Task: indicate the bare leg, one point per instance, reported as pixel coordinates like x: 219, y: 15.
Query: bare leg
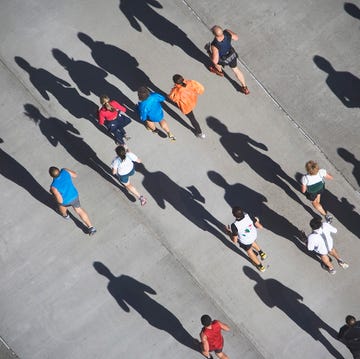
x: 150, y: 125
x: 317, y: 205
x: 253, y: 256
x: 239, y: 75
x: 63, y: 210
x: 132, y: 189
x: 222, y: 355
x: 83, y: 215
x: 164, y: 126
x: 325, y: 259
x: 335, y: 254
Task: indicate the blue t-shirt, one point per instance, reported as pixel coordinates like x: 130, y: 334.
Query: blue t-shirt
x: 150, y: 109
x: 63, y: 183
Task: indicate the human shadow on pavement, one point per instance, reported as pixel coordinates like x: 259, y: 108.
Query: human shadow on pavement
x: 253, y: 203
x: 352, y: 10
x: 274, y: 294
x: 131, y: 293
x: 126, y: 68
x: 142, y: 11
x: 343, y: 84
x: 15, y: 172
x: 343, y: 211
x: 186, y: 201
x: 91, y: 79
x: 243, y: 148
x: 349, y: 157
x: 65, y: 134
x: 67, y: 96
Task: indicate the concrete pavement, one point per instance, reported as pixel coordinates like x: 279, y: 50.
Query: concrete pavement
x: 139, y: 287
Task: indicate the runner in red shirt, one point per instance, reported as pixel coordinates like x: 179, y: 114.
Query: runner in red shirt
x: 109, y: 115
x: 211, y: 338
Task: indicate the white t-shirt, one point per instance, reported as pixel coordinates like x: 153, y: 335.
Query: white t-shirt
x: 309, y: 180
x: 124, y: 167
x: 245, y: 230
x: 316, y: 240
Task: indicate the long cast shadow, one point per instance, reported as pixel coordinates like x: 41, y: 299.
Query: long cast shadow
x: 90, y: 78
x: 243, y: 148
x: 131, y: 293
x: 343, y: 211
x: 352, y: 10
x: 65, y: 134
x: 142, y: 11
x: 68, y: 97
x: 350, y: 157
x: 186, y: 201
x: 343, y: 84
x: 126, y: 68
x: 254, y: 203
x: 274, y: 294
x: 15, y: 172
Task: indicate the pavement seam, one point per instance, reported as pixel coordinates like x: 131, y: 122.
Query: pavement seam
x: 8, y: 348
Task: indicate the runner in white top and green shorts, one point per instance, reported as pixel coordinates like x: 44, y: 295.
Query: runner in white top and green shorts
x: 313, y: 185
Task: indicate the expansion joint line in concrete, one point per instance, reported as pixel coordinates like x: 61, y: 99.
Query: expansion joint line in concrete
x: 276, y: 102
x: 8, y: 348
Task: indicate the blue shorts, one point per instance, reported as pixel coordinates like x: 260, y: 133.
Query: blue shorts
x: 124, y: 179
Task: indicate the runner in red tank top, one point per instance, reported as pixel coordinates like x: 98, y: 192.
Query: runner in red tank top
x: 211, y: 338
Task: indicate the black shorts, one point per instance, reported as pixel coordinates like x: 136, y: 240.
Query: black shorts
x: 231, y: 64
x: 217, y: 350
x: 246, y: 247
x: 312, y: 196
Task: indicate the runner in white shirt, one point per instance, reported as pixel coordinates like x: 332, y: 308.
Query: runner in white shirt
x: 321, y: 242
x: 244, y: 232
x: 313, y: 184
x: 123, y: 167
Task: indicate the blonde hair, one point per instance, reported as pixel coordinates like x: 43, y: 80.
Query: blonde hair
x: 105, y: 101
x: 312, y: 168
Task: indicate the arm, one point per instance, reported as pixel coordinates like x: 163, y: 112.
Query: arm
x: 101, y: 117
x: 224, y: 326
x: 303, y: 188
x: 204, y: 345
x: 257, y: 223
x: 232, y: 231
x: 118, y: 106
x: 214, y: 54
x: 172, y: 95
x: 57, y: 195
x: 234, y: 36
x: 73, y: 174
x: 199, y: 88
x: 235, y: 239
x: 143, y: 112
x: 328, y: 176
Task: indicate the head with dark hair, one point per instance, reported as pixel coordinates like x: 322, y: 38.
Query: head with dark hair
x: 121, y: 152
x: 350, y: 320
x: 143, y: 93
x: 238, y: 213
x: 315, y: 223
x: 206, y: 320
x: 179, y: 80
x: 54, y: 172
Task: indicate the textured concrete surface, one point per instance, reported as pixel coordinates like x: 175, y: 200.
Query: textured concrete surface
x: 139, y: 286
